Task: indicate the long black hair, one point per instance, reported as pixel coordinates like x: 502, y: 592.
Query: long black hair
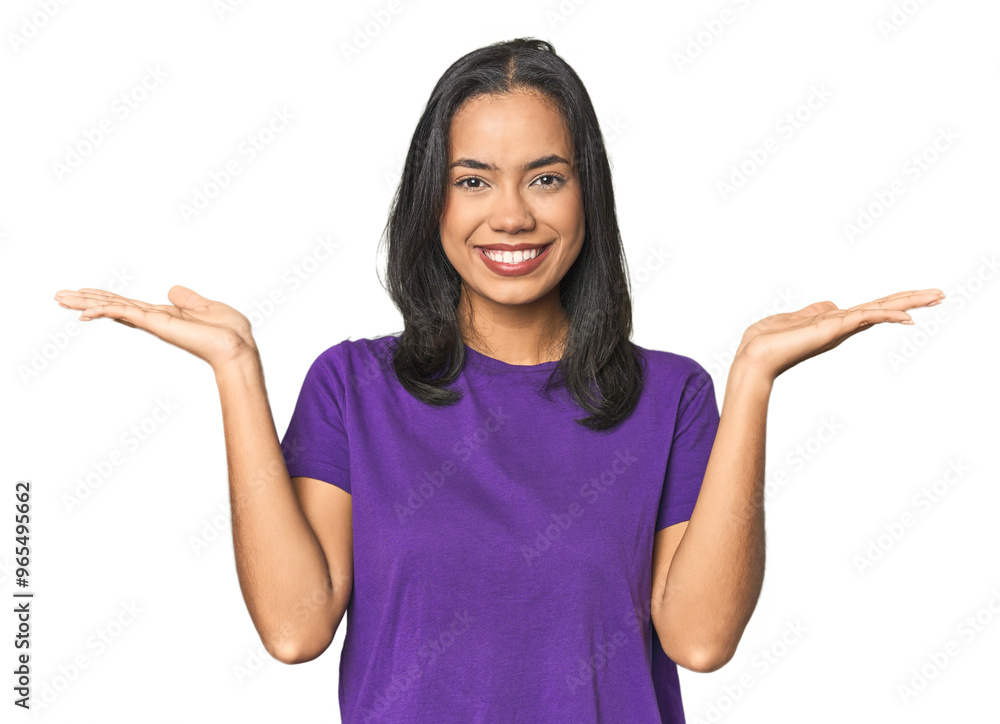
x: 600, y: 366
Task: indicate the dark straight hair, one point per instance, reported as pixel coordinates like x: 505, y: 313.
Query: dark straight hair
x: 600, y: 367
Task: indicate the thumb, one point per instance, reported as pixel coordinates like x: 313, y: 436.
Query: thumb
x: 184, y: 298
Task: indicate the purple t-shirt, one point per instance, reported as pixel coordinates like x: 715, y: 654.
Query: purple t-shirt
x: 502, y: 551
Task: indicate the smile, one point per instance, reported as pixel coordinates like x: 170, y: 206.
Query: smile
x: 515, y: 257
x: 515, y: 263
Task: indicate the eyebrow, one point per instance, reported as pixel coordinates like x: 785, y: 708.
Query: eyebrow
x: 529, y: 166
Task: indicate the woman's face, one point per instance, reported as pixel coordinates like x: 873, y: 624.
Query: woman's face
x: 512, y: 183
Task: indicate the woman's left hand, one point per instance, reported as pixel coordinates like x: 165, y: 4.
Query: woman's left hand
x: 779, y: 342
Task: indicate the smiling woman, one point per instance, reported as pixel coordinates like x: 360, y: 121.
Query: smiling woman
x: 508, y: 156
x: 506, y: 262
x: 499, y: 558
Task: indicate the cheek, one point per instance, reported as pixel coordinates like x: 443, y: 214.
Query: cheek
x: 569, y: 216
x: 456, y: 223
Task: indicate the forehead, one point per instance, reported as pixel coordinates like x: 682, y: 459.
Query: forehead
x: 509, y: 125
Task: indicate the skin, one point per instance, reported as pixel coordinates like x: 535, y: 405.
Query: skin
x: 292, y: 537
x: 708, y: 571
x: 518, y: 320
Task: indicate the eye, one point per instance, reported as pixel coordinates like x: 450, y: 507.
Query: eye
x: 480, y: 184
x: 556, y: 182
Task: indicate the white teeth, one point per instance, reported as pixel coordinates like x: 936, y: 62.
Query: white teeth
x: 512, y: 257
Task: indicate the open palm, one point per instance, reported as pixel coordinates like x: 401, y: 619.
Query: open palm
x: 210, y: 330
x: 777, y: 343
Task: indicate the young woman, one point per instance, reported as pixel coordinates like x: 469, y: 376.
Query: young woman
x: 526, y: 516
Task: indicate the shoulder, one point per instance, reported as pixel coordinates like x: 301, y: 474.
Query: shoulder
x: 354, y: 361
x: 673, y: 370
x: 355, y: 351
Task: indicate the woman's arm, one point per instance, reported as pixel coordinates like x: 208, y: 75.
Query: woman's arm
x: 705, y: 591
x: 292, y: 542
x: 704, y: 594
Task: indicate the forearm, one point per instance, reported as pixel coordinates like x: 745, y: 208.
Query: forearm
x: 282, y: 570
x: 717, y: 571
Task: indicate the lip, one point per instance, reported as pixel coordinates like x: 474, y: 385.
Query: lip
x: 511, y: 247
x: 513, y: 270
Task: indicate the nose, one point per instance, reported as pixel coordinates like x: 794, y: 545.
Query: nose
x: 511, y: 213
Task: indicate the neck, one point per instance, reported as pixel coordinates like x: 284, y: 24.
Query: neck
x: 518, y: 334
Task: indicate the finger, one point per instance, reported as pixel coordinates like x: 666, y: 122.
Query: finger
x: 835, y: 328
x: 882, y: 301
x: 868, y: 318
x: 817, y: 308
x: 82, y: 300
x: 89, y: 297
x: 112, y: 296
x: 857, y: 319
x: 86, y: 292
x: 130, y: 315
x: 185, y: 298
x: 90, y: 294
x: 904, y: 300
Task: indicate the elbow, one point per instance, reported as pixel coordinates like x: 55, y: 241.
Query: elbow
x: 290, y: 654
x: 291, y: 645
x: 700, y: 658
x: 706, y: 660
x: 290, y: 651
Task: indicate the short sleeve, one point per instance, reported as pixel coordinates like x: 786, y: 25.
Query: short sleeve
x: 694, y: 434
x: 315, y: 443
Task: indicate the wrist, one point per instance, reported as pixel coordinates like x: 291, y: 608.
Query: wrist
x: 242, y: 366
x: 747, y: 374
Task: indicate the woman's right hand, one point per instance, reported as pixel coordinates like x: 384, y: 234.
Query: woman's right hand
x: 212, y: 331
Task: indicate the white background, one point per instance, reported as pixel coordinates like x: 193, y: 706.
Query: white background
x: 680, y: 108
